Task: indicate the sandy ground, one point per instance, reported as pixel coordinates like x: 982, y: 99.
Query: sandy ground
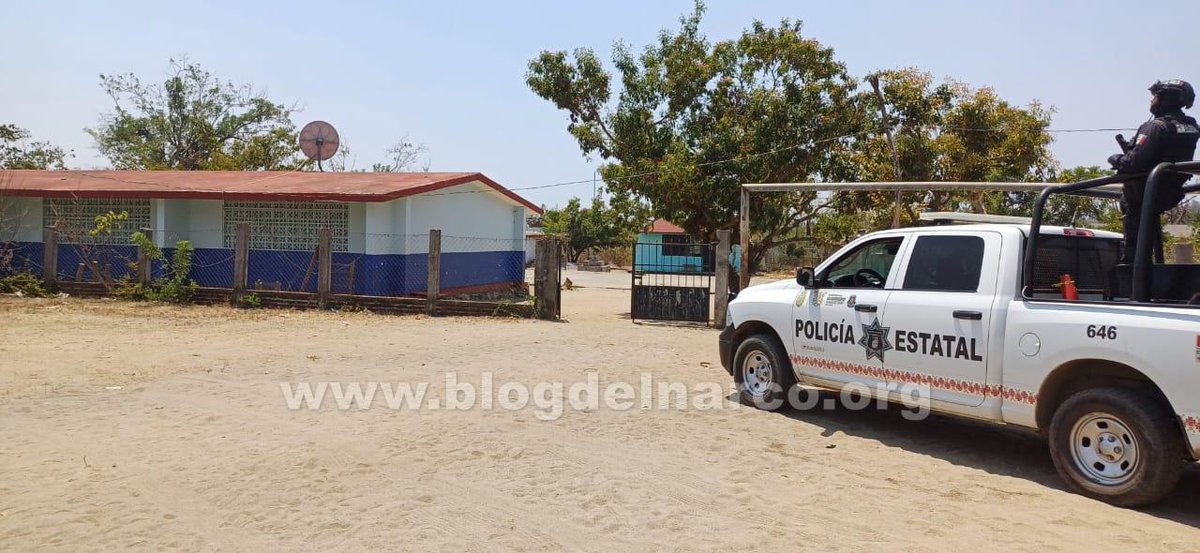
x: 145, y: 427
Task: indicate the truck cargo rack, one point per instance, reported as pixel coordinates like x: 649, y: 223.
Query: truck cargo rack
x: 1144, y: 276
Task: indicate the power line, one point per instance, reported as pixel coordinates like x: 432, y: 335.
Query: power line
x: 100, y: 175
x: 761, y: 154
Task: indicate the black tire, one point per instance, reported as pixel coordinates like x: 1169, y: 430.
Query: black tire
x: 1137, y: 475
x: 769, y: 393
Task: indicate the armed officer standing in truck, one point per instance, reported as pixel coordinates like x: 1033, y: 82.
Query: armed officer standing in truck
x: 1169, y: 136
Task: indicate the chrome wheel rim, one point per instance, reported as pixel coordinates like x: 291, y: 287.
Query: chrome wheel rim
x: 1104, y: 448
x: 757, y: 374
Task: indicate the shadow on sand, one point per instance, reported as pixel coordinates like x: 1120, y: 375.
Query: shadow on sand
x: 993, y: 448
x: 665, y: 324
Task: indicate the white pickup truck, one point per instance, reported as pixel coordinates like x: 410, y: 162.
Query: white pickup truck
x: 1115, y: 387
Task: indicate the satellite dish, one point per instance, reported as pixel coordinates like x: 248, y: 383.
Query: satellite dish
x: 319, y: 141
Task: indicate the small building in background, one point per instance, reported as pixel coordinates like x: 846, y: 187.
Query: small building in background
x: 664, y: 247
x: 380, y: 224
x: 532, y: 235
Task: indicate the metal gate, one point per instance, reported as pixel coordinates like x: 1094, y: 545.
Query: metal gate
x: 673, y: 280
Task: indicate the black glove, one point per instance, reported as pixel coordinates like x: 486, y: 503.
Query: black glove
x: 1115, y: 160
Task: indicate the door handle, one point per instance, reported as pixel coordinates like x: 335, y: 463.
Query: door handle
x: 968, y: 315
x: 865, y: 308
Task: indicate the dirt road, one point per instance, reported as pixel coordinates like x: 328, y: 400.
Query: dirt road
x: 153, y: 427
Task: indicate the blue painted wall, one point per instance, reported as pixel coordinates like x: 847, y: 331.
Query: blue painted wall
x: 375, y: 275
x: 649, y: 257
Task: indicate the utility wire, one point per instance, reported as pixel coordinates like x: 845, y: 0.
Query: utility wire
x: 100, y: 174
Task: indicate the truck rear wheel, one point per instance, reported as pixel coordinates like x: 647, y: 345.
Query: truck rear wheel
x: 1117, y: 445
x: 763, y: 372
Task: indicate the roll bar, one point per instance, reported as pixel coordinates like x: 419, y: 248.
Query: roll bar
x: 1141, y: 258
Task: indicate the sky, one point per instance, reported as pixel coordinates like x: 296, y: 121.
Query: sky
x: 451, y: 74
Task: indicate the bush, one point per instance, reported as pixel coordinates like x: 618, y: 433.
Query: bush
x: 176, y: 287
x: 24, y: 283
x: 249, y: 301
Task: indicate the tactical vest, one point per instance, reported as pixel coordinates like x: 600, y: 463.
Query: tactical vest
x: 1179, y: 144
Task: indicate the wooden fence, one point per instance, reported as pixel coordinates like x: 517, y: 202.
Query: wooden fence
x: 546, y: 289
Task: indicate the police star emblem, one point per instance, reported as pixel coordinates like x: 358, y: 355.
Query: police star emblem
x: 875, y: 340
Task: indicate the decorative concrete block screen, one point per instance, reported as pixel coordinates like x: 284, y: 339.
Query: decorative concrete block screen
x: 74, y: 218
x: 288, y: 226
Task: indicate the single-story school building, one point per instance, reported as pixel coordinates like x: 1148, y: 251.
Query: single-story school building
x: 379, y: 221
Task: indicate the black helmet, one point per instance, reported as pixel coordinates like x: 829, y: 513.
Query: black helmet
x: 1181, y: 89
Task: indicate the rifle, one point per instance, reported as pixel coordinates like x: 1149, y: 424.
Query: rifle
x: 1124, y: 144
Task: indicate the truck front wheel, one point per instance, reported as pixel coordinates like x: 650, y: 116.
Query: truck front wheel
x: 763, y: 372
x: 1116, y: 445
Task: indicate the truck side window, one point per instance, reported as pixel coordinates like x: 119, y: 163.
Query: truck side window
x: 945, y: 263
x: 867, y: 266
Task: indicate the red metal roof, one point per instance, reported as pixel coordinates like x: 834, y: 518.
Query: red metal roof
x: 663, y: 226
x: 239, y: 185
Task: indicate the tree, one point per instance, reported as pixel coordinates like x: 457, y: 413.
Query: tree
x: 947, y: 132
x: 404, y: 155
x: 693, y: 120
x: 598, y: 226
x: 17, y: 152
x: 1082, y: 210
x: 194, y: 121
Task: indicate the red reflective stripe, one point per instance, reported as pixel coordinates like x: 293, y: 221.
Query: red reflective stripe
x: 906, y: 377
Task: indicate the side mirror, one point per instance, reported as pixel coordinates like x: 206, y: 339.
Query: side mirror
x: 805, y: 277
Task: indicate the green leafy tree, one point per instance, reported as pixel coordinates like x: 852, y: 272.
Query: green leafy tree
x: 194, y: 121
x: 1081, y: 210
x: 598, y: 226
x: 18, y: 152
x: 947, y: 132
x: 686, y: 121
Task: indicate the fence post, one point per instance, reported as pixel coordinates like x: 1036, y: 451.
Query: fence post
x: 744, y: 238
x: 433, y: 286
x: 241, y: 260
x: 324, y: 266
x: 50, y: 256
x: 143, y: 259
x: 1184, y: 253
x: 721, y: 303
x: 545, y: 279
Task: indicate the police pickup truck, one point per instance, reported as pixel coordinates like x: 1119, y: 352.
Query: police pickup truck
x: 1113, y: 385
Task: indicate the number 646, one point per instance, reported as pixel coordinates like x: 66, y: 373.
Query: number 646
x: 1102, y: 332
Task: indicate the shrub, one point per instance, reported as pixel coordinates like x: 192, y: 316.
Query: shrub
x: 174, y: 287
x: 24, y: 283
x: 249, y: 301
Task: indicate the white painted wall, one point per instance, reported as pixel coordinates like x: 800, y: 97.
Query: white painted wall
x: 171, y: 222
x: 205, y: 223
x: 20, y: 219
x: 380, y: 224
x: 472, y: 217
x: 356, y: 227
